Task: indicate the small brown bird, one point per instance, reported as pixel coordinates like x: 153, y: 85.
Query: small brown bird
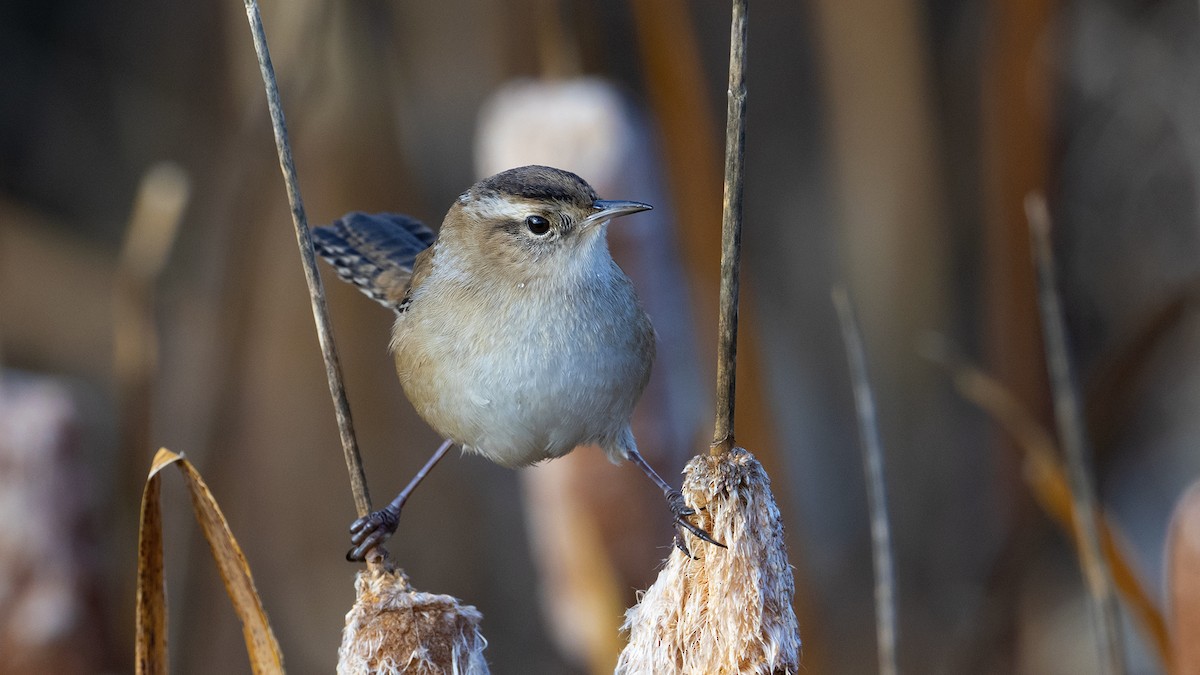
x: 517, y: 336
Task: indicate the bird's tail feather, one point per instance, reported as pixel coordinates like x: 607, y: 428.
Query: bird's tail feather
x: 375, y: 252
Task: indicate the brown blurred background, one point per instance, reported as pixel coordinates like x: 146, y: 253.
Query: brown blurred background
x: 890, y: 144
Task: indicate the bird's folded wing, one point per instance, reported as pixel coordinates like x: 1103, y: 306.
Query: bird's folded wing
x: 375, y: 252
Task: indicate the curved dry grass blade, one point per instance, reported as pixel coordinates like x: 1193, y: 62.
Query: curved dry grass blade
x: 151, y: 644
x: 1183, y: 581
x: 1047, y: 480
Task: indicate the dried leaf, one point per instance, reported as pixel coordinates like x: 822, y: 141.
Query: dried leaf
x: 151, y: 621
x: 151, y: 641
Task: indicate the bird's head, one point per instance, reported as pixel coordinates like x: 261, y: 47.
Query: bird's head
x: 533, y: 220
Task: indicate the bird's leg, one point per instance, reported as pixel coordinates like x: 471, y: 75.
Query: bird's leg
x: 675, y: 502
x: 374, y: 528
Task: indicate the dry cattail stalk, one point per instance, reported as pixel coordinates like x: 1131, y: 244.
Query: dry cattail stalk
x: 393, y: 629
x: 728, y: 610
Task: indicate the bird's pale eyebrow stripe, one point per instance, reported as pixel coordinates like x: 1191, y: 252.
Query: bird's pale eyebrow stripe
x: 499, y: 208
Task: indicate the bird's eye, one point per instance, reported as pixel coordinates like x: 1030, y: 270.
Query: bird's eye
x: 537, y: 225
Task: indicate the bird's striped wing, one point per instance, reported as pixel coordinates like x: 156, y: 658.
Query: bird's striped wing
x: 375, y: 252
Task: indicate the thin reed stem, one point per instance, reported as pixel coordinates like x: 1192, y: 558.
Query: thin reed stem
x: 1069, y: 420
x: 872, y: 451
x: 316, y: 291
x: 731, y: 232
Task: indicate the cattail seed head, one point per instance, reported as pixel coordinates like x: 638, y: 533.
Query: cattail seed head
x: 394, y: 629
x: 730, y: 611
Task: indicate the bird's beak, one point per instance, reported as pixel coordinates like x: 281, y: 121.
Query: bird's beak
x: 607, y: 209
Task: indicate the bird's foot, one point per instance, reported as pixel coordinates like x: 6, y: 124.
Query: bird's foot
x: 681, y: 511
x: 371, y: 531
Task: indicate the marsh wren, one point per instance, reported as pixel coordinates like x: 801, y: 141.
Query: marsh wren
x: 517, y: 336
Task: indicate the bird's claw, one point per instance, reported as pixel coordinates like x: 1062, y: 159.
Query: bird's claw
x: 681, y: 511
x: 677, y: 505
x: 371, y: 531
x: 679, y: 544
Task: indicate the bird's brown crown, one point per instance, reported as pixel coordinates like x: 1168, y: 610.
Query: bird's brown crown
x: 534, y: 182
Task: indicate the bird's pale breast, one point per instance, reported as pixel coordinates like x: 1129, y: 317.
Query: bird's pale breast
x: 526, y: 371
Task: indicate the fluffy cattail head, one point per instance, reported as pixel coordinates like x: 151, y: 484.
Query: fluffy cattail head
x: 394, y: 629
x: 730, y: 611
